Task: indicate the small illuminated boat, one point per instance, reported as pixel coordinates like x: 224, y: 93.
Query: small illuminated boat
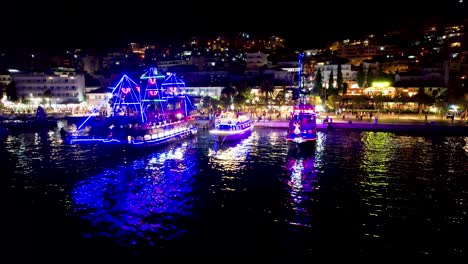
x: 302, y: 126
x: 229, y: 126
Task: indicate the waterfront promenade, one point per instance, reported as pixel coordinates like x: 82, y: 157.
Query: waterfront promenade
x: 403, y: 123
x: 391, y: 123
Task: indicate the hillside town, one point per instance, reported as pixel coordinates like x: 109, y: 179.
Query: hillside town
x: 393, y: 72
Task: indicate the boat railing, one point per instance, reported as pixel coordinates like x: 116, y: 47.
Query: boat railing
x: 161, y: 131
x: 124, y: 130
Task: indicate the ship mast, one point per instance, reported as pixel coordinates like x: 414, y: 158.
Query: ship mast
x: 301, y: 79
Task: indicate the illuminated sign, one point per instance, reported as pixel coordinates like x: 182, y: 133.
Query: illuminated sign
x: 381, y: 84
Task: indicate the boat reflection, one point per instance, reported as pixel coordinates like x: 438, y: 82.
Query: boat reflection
x: 230, y: 159
x: 302, y: 182
x: 231, y: 152
x: 144, y: 202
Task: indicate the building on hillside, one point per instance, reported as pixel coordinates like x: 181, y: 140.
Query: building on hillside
x: 347, y: 73
x: 57, y: 87
x: 256, y: 60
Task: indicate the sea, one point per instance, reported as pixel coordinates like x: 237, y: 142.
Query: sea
x: 351, y: 194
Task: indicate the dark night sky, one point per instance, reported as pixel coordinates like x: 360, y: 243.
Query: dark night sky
x: 304, y: 25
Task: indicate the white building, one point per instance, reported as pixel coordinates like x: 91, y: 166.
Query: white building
x: 5, y: 79
x: 58, y: 87
x: 114, y: 59
x: 289, y: 77
x: 366, y: 51
x: 163, y: 65
x: 347, y: 73
x: 202, y: 91
x: 91, y: 63
x: 98, y: 98
x: 256, y: 60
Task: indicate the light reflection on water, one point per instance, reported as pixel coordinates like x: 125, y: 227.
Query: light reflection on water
x: 379, y: 150
x: 404, y: 185
x: 356, y: 193
x: 302, y: 183
x: 229, y: 157
x: 135, y: 202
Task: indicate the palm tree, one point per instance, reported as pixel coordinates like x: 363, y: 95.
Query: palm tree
x: 379, y: 101
x: 403, y: 99
x: 206, y: 102
x: 239, y: 100
x: 227, y: 96
x: 359, y: 102
x: 267, y: 90
x: 280, y: 98
x: 422, y: 98
x: 11, y: 91
x: 47, y: 96
x: 334, y: 101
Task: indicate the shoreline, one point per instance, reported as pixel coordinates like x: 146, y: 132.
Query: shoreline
x: 384, y: 126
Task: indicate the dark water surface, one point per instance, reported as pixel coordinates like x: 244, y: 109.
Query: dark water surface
x: 350, y: 194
